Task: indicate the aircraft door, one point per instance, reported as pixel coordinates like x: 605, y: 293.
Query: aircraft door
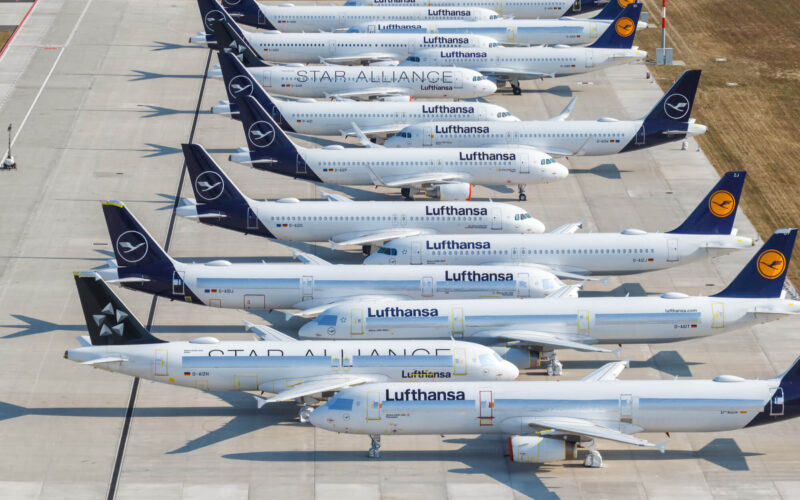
x: 458, y: 83
x: 515, y: 254
x: 427, y: 286
x: 641, y: 137
x: 301, y: 165
x: 255, y: 302
x: 356, y: 322
x: 584, y: 321
x: 342, y: 21
x: 626, y: 408
x: 331, y: 48
x: 511, y: 33
x: 252, y: 219
x: 523, y: 285
x: 497, y: 219
x: 266, y: 79
x: 776, y: 403
x: 416, y: 252
x: 589, y: 60
x: 427, y: 137
x: 672, y: 250
x: 457, y: 323
x: 459, y: 361
x: 395, y: 220
x: 524, y: 164
x: 177, y: 282
x: 162, y: 363
x: 371, y: 28
x: 307, y: 283
x: 717, y: 315
x: 576, y: 6
x: 245, y: 382
x: 262, y: 20
x: 486, y: 411
x: 373, y: 405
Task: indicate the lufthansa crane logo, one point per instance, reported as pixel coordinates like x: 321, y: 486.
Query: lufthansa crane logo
x: 624, y: 27
x: 132, y: 246
x: 209, y: 185
x: 261, y: 134
x: 721, y: 203
x: 210, y: 17
x: 676, y: 106
x: 240, y: 86
x: 771, y: 264
x: 624, y: 3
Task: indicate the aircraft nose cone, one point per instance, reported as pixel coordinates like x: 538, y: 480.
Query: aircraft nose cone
x: 489, y: 87
x: 510, y: 372
x: 536, y: 226
x: 375, y: 259
x: 391, y: 142
x: 560, y: 172
x: 318, y: 417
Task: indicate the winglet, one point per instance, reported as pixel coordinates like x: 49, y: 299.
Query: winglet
x: 261, y: 401
x: 362, y: 137
x: 565, y: 112
x: 660, y: 446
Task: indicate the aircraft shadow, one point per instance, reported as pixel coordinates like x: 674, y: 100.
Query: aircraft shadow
x: 155, y: 111
x: 161, y: 150
x: 669, y: 362
x: 139, y: 75
x: 724, y: 452
x: 158, y: 46
x: 335, y: 256
x: 624, y: 290
x: 559, y: 90
x: 605, y: 170
x: 359, y: 194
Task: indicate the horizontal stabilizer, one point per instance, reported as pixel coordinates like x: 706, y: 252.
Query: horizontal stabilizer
x: 101, y: 361
x: 609, y: 371
x: 307, y: 258
x: 313, y: 386
x: 266, y: 333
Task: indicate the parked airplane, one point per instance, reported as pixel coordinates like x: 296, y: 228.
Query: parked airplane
x: 141, y: 264
x: 519, y: 9
x: 282, y: 365
x: 707, y: 231
x: 289, y: 18
x: 564, y: 31
x: 753, y: 297
x: 344, y: 222
x: 446, y: 174
x: 546, y: 421
x: 512, y: 64
x: 374, y: 118
x: 668, y: 121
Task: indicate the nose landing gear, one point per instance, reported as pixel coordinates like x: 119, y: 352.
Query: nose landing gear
x: 375, y: 448
x: 521, y: 190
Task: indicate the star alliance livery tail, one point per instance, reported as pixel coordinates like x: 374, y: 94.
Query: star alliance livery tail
x: 231, y: 40
x: 764, y: 275
x: 108, y: 320
x: 218, y: 201
x: 715, y: 214
x: 270, y: 147
x: 247, y: 12
x: 239, y: 83
x: 620, y: 33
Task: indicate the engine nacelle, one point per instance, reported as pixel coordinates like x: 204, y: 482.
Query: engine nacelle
x: 522, y: 357
x: 538, y: 450
x: 461, y: 191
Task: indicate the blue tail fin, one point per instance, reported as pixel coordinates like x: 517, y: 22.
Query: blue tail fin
x: 715, y: 214
x: 620, y: 33
x: 239, y: 82
x: 133, y: 245
x: 676, y: 105
x: 612, y: 10
x: 248, y: 12
x: 764, y: 275
x: 270, y: 147
x: 108, y: 320
x: 217, y: 195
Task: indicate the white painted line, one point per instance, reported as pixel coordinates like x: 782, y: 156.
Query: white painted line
x: 17, y: 30
x: 49, y: 74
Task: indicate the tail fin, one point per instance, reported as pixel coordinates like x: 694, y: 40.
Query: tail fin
x: 249, y: 13
x: 133, y: 245
x: 715, y: 214
x: 231, y: 40
x: 239, y: 82
x: 263, y: 134
x: 620, y: 33
x: 676, y: 105
x: 108, y: 320
x: 764, y: 275
x: 612, y: 10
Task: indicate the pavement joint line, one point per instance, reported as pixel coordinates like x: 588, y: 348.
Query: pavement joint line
x: 113, y: 484
x: 49, y: 73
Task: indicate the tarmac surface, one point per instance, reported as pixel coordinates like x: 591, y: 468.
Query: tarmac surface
x: 106, y: 92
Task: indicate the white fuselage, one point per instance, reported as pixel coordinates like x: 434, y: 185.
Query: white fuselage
x: 538, y: 62
x: 629, y: 406
x: 586, y: 320
x: 511, y: 31
x: 324, y: 81
x: 520, y: 9
x: 273, y: 367
x: 287, y: 286
x: 333, y: 117
x: 489, y: 166
x: 582, y: 253
x: 293, y: 220
x: 353, y: 48
x: 314, y: 18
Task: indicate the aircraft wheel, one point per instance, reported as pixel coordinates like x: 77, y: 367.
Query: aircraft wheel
x: 522, y: 197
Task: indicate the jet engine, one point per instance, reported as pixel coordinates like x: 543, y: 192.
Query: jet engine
x: 537, y: 450
x: 461, y: 191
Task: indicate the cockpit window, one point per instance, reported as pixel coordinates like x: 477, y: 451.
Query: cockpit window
x: 522, y: 216
x: 413, y: 58
x: 326, y: 320
x: 503, y: 114
x: 387, y: 251
x: 343, y: 404
x: 547, y: 161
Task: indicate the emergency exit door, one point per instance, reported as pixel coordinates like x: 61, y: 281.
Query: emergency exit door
x: 459, y: 361
x: 457, y: 323
x: 672, y: 250
x: 373, y: 405
x: 161, y: 363
x: 717, y: 315
x: 486, y: 411
x: 356, y: 322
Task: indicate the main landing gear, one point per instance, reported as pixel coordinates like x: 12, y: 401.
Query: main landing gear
x: 375, y: 448
x: 521, y: 191
x: 516, y: 88
x: 406, y: 193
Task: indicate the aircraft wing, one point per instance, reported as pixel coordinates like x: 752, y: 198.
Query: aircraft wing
x: 388, y: 129
x: 513, y: 74
x: 266, y: 333
x: 307, y: 258
x: 316, y: 310
x: 609, y: 371
x: 315, y: 386
x: 334, y: 196
x: 101, y: 361
x: 372, y: 237
x: 366, y: 94
x: 566, y: 111
x: 567, y: 228
x: 411, y: 180
x: 360, y: 59
x: 543, y: 339
x: 558, y: 272
x: 568, y: 425
x: 565, y: 291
